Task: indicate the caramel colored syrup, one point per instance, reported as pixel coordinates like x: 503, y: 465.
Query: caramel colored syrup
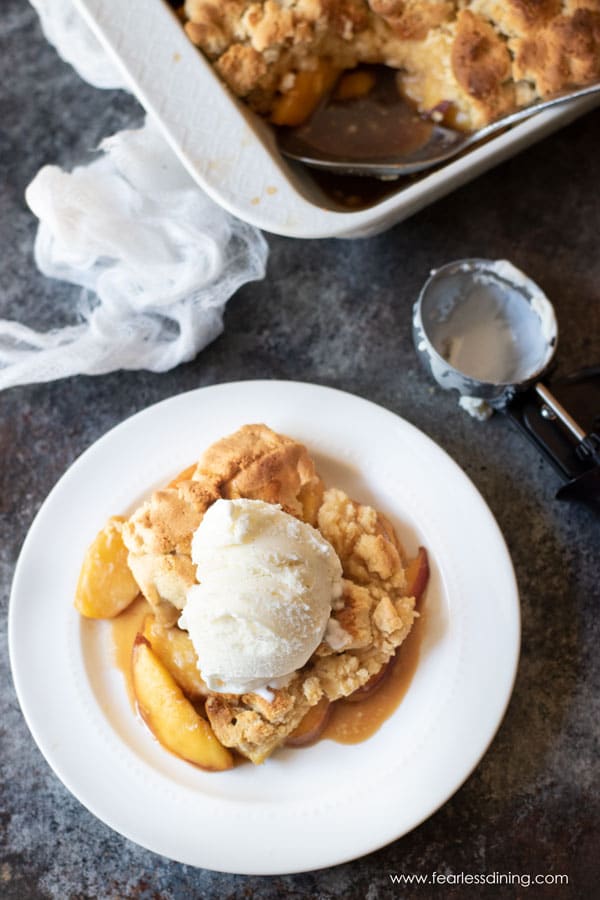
x: 352, y: 722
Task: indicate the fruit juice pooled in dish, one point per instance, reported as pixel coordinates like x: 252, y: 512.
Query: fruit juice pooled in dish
x: 267, y: 601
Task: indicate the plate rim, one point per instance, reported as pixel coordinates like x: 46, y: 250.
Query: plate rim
x: 268, y: 384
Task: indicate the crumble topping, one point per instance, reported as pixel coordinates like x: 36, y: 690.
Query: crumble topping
x: 368, y: 622
x: 478, y: 58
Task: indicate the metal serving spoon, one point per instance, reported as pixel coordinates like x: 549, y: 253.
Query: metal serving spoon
x: 382, y: 137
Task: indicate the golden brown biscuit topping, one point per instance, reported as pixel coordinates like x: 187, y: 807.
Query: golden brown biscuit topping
x: 479, y: 58
x: 370, y: 620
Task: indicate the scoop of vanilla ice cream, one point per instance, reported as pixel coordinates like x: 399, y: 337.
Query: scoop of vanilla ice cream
x: 266, y: 585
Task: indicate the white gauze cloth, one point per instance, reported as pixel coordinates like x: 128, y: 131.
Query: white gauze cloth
x: 157, y: 260
x: 76, y: 43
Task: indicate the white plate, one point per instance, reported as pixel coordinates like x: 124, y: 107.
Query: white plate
x: 232, y: 153
x: 303, y: 809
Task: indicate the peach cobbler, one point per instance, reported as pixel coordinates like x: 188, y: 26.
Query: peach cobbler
x: 468, y: 61
x: 269, y: 596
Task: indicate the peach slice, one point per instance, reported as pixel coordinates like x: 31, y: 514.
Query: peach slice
x: 106, y: 586
x: 374, y: 682
x: 417, y: 574
x: 169, y: 714
x: 312, y: 725
x: 354, y: 84
x: 297, y: 105
x: 185, y: 475
x: 176, y: 652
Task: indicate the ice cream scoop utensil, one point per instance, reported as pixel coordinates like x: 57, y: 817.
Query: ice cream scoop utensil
x: 483, y: 328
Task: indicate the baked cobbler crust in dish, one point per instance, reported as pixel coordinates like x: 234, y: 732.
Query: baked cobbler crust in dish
x: 473, y: 59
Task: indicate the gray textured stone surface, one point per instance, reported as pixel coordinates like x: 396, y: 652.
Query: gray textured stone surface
x: 335, y: 313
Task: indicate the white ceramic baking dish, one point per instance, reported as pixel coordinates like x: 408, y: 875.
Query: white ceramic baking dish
x: 232, y: 154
